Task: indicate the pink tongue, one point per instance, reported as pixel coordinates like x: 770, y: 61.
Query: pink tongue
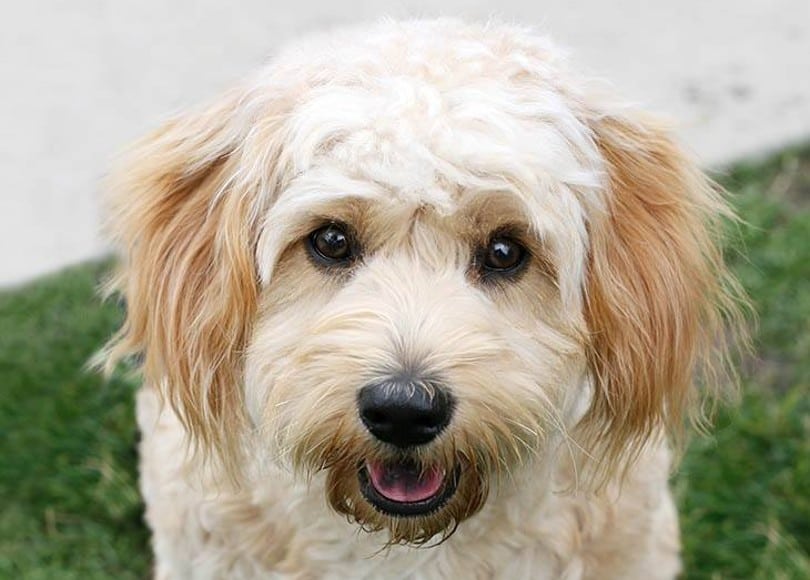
x: 402, y: 483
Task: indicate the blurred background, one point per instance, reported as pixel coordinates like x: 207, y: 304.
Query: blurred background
x: 81, y: 79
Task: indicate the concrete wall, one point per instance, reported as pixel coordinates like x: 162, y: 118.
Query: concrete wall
x: 81, y: 78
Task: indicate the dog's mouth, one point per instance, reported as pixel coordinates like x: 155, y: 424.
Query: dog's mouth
x: 402, y: 488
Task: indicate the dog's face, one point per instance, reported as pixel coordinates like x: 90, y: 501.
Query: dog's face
x: 415, y: 343
x: 416, y: 260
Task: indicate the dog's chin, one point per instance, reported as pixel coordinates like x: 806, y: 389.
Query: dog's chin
x: 415, y: 502
x: 402, y: 488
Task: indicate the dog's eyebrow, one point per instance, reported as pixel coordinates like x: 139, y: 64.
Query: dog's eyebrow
x: 320, y: 192
x: 495, y: 205
x: 315, y: 190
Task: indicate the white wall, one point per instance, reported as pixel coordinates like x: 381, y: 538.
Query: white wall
x: 81, y: 78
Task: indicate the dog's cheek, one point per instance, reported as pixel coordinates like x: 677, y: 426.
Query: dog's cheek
x: 528, y: 394
x: 516, y: 370
x: 514, y: 406
x: 546, y: 337
x: 287, y: 306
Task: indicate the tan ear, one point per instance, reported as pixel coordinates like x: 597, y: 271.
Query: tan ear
x: 658, y: 294
x: 186, y: 232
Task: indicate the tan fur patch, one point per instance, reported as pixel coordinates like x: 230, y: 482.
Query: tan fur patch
x: 659, y: 298
x: 188, y: 273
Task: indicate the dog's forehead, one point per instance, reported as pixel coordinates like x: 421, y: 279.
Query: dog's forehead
x: 414, y: 137
x: 433, y: 110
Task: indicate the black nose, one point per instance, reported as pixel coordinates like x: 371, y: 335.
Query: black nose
x: 404, y: 413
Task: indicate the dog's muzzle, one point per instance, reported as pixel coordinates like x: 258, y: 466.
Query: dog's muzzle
x: 405, y: 414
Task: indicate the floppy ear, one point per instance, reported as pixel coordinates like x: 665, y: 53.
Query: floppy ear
x: 186, y: 231
x: 658, y: 294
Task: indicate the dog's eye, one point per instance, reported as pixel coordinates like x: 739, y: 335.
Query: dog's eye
x: 331, y: 244
x: 503, y: 255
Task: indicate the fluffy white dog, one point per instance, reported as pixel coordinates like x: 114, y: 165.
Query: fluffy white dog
x: 421, y: 303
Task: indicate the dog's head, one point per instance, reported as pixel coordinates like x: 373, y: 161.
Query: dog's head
x: 417, y: 258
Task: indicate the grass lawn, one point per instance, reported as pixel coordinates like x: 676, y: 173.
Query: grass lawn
x: 70, y: 507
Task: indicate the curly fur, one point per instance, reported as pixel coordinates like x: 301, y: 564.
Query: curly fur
x: 425, y: 137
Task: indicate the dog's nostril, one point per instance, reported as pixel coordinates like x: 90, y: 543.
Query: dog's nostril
x: 429, y: 420
x: 404, y: 414
x: 374, y: 416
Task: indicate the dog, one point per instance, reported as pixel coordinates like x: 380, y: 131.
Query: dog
x: 417, y: 300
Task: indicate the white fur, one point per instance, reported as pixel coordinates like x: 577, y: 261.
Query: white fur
x: 400, y: 117
x: 538, y: 528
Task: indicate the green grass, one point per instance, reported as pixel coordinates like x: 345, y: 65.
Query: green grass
x: 70, y: 507
x: 744, y: 493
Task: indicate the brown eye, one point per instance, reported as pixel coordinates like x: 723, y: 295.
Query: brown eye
x: 331, y: 245
x: 503, y: 256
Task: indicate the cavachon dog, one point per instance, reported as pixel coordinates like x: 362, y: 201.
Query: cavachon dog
x: 417, y: 301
